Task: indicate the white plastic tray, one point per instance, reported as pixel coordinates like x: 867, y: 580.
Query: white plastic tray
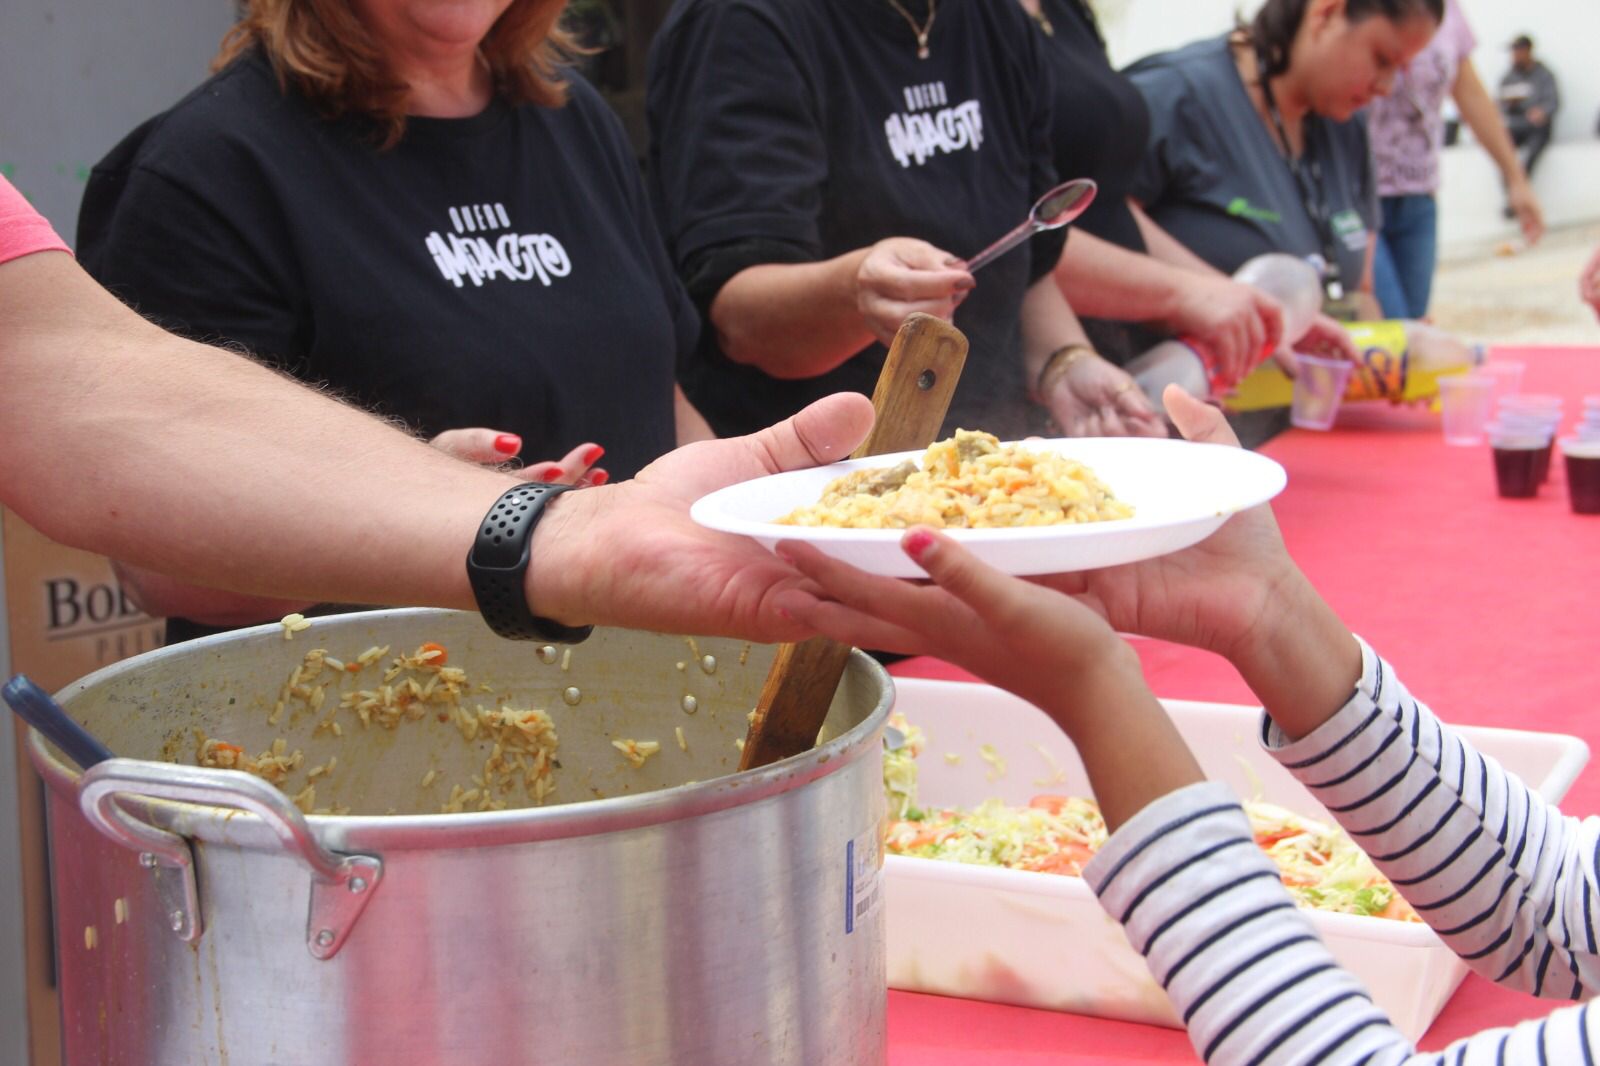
x: 1041, y: 940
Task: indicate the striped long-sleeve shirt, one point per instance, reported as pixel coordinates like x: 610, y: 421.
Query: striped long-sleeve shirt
x: 1503, y: 877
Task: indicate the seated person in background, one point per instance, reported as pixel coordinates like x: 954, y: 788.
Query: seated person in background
x: 824, y: 168
x: 251, y: 483
x: 1120, y: 268
x: 1507, y: 881
x: 1407, y: 129
x: 431, y: 218
x: 1255, y: 145
x: 1529, y: 98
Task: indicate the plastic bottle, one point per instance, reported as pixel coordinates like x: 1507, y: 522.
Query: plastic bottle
x: 1400, y: 361
x: 1288, y: 279
x: 1291, y: 281
x: 1403, y: 360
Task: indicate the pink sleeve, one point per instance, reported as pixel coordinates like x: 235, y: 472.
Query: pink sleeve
x: 1459, y: 31
x: 23, y: 230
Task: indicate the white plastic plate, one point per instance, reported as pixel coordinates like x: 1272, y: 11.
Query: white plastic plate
x: 1180, y: 492
x: 1042, y: 940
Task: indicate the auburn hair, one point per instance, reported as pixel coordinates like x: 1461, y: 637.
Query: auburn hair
x: 326, y: 52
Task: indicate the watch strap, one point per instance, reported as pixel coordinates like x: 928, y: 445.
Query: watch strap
x: 497, y: 566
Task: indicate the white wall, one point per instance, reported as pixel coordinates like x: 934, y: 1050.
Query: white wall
x: 1564, y: 32
x: 75, y: 75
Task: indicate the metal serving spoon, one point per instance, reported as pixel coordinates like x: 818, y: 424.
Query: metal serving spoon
x: 1053, y: 210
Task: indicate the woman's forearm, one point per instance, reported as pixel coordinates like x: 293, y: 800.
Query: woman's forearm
x: 1482, y: 116
x: 1165, y: 247
x: 1048, y: 324
x: 691, y: 424
x: 1102, y: 280
x: 793, y: 320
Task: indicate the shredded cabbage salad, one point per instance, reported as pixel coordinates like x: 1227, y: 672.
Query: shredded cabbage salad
x: 1319, y: 864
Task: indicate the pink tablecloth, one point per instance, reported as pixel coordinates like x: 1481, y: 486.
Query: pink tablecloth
x: 1489, y: 608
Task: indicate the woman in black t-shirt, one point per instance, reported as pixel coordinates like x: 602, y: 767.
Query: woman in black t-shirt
x: 411, y: 203
x: 824, y: 166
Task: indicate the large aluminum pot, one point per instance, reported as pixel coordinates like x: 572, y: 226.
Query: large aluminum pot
x: 677, y: 912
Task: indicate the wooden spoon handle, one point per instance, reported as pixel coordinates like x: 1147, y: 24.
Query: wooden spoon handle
x: 910, y: 402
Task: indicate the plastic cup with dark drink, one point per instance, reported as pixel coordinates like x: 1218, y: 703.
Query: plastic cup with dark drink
x: 1583, y: 474
x: 1516, y: 454
x: 1532, y: 424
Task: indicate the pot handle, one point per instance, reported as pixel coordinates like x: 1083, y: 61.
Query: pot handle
x: 341, y: 885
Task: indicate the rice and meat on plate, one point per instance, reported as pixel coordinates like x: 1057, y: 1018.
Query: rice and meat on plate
x: 970, y: 481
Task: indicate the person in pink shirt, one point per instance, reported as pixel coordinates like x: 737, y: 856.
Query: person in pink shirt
x: 107, y: 444
x: 1406, y: 129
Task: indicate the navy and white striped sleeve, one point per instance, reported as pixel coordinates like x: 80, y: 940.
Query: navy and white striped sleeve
x: 1499, y: 873
x: 1244, y: 968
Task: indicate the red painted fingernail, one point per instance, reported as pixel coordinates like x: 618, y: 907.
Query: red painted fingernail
x: 508, y: 444
x: 917, y: 543
x: 592, y: 456
x: 553, y: 470
x: 598, y: 477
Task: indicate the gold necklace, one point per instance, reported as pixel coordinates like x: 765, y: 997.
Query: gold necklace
x: 921, y: 31
x: 1036, y: 13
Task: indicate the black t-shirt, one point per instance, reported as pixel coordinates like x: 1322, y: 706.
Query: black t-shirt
x: 1101, y: 125
x: 1101, y: 121
x: 798, y: 130
x: 501, y: 270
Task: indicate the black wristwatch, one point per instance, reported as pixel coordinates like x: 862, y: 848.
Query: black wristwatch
x: 498, y: 564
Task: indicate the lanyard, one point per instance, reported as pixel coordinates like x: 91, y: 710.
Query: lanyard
x: 1307, y: 173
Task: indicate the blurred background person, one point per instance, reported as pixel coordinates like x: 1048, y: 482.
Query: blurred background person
x: 1529, y: 99
x: 1407, y: 132
x: 413, y: 204
x: 1256, y: 145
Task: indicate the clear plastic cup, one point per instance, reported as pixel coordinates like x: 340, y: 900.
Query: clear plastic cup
x: 1528, y: 401
x: 1318, y: 390
x: 1507, y: 377
x: 1542, y: 420
x: 1464, y: 399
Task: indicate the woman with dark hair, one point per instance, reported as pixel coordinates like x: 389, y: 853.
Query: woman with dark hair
x: 1133, y: 283
x: 1256, y: 145
x: 409, y: 202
